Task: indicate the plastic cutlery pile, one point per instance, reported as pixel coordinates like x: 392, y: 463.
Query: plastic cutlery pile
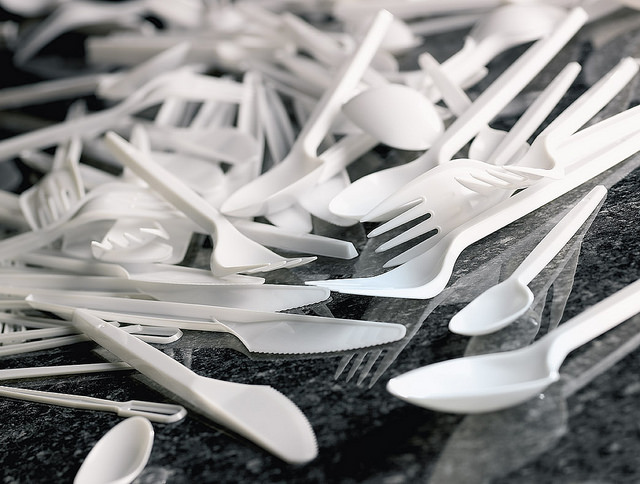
x: 247, y: 132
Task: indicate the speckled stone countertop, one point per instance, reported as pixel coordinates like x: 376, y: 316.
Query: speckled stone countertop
x: 584, y: 428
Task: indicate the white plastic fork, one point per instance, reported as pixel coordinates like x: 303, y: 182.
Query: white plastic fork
x: 53, y: 195
x: 576, y: 148
x: 107, y: 202
x: 367, y: 192
x: 128, y: 235
x: 428, y: 273
x: 232, y: 252
x: 533, y: 166
x: 449, y: 203
x: 483, y: 185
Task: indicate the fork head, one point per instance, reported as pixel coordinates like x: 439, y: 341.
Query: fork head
x: 445, y: 197
x: 52, y: 197
x: 133, y: 240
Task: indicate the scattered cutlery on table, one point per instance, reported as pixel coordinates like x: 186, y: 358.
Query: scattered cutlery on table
x: 255, y: 157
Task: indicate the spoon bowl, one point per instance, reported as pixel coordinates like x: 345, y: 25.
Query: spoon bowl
x: 476, y: 384
x: 498, y: 306
x: 396, y: 115
x: 120, y: 455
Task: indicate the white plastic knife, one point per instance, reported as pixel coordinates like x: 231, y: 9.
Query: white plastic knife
x: 256, y: 412
x: 259, y: 331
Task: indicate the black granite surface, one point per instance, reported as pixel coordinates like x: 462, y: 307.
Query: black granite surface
x: 583, y: 429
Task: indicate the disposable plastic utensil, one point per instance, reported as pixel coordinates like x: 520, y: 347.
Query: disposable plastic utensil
x: 428, y: 273
x: 107, y: 202
x: 505, y: 302
x: 496, y: 381
x: 60, y: 370
x: 492, y: 145
x: 179, y: 82
x: 120, y: 455
x: 56, y: 192
x: 259, y: 331
x: 251, y: 199
x: 458, y: 102
x: 396, y: 115
x: 157, y: 335
x: 258, y: 413
x: 296, y: 241
x: 501, y: 29
x: 167, y: 273
x: 77, y: 14
x: 260, y: 297
x: 232, y: 251
x: 483, y: 185
x: 367, y: 192
x: 154, y: 411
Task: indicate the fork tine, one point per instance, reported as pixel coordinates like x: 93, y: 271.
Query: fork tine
x: 507, y: 174
x: 475, y: 185
x: 389, y: 208
x: 412, y: 252
x: 130, y: 238
x: 356, y: 364
x: 407, y: 216
x: 98, y: 249
x: 531, y: 173
x: 283, y: 264
x: 156, y: 229
x: 364, y: 373
x: 503, y: 181
x: 298, y: 261
x: 416, y: 231
x: 344, y: 361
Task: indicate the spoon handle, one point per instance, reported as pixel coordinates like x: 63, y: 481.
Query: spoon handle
x: 506, y: 87
x: 558, y: 237
x: 593, y: 100
x: 592, y: 322
x: 347, y: 79
x: 534, y: 115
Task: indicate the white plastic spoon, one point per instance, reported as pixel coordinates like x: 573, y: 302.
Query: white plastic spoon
x: 505, y: 27
x: 495, y: 381
x: 396, y: 115
x: 120, y: 455
x: 505, y: 302
x: 367, y: 192
x: 256, y: 197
